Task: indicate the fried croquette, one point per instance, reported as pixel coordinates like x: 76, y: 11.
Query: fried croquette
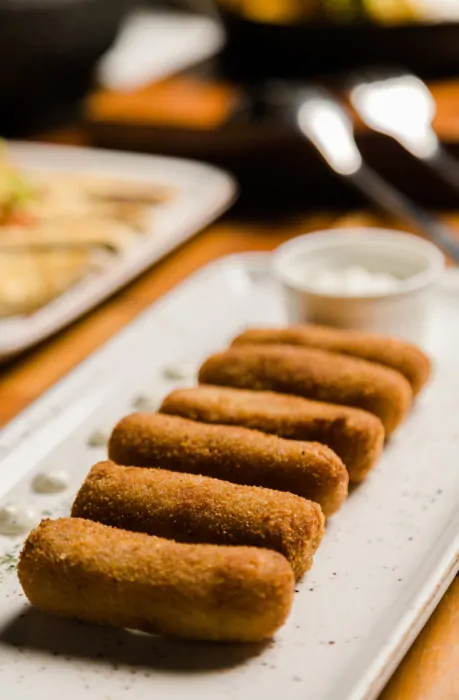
x: 313, y: 374
x: 199, y: 509
x: 81, y: 569
x: 392, y: 352
x: 355, y: 435
x: 234, y: 454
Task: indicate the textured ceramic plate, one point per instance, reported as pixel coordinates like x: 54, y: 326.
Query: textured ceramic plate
x: 199, y: 193
x: 386, y: 560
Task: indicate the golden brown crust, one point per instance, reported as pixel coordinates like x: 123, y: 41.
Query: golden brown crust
x: 198, y: 509
x: 85, y: 570
x: 233, y: 454
x: 313, y: 374
x: 355, y: 435
x: 392, y: 352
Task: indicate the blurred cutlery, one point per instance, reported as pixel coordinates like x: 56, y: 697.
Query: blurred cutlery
x: 327, y: 125
x: 400, y: 105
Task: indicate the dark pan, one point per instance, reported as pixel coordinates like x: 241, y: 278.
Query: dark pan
x: 256, y: 51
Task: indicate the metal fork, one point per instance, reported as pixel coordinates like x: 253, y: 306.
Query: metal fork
x: 327, y: 125
x: 400, y: 105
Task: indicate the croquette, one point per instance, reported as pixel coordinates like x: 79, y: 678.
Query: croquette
x: 80, y: 569
x: 234, y: 454
x: 356, y: 436
x: 313, y: 374
x: 404, y: 357
x: 199, y: 509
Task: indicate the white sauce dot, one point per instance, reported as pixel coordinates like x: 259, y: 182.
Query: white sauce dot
x: 180, y: 371
x: 145, y: 403
x: 50, y: 482
x: 97, y: 439
x: 15, y: 520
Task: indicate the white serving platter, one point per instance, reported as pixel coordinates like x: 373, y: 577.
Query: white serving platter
x: 386, y: 560
x: 200, y: 193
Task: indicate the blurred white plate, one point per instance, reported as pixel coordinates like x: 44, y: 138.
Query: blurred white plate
x: 200, y: 193
x: 153, y: 45
x: 385, y: 562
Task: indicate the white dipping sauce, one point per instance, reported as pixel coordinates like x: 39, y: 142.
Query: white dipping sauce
x: 51, y: 482
x: 145, y: 403
x: 15, y: 520
x: 98, y: 439
x: 352, y: 281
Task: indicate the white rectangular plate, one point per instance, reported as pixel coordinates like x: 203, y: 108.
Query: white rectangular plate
x: 386, y: 559
x: 200, y: 193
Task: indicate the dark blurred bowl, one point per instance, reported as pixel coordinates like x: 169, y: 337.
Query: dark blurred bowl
x: 257, y: 50
x: 48, y: 49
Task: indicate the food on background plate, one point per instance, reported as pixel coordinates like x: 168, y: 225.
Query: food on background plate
x: 234, y: 454
x: 401, y: 11
x: 384, y: 12
x: 98, y: 198
x: 15, y: 191
x: 199, y: 509
x: 29, y: 281
x: 55, y: 225
x: 80, y: 569
x: 313, y: 374
x: 356, y: 436
x: 404, y: 357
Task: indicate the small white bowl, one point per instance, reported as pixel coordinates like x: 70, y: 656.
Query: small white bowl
x: 402, y: 312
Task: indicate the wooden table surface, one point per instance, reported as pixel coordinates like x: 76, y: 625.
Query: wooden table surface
x: 431, y: 669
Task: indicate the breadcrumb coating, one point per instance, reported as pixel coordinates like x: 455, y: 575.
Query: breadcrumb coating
x: 355, y: 435
x: 80, y: 569
x: 234, y: 454
x: 313, y: 374
x: 199, y: 509
x: 404, y: 357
